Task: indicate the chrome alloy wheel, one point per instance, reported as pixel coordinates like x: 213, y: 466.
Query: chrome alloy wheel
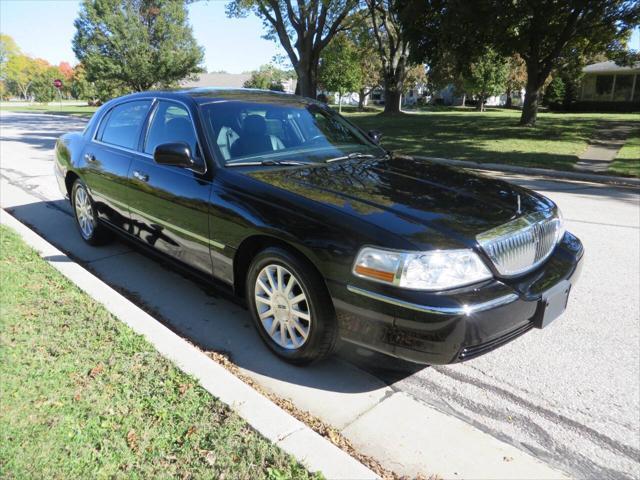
x: 282, y: 307
x: 84, y: 212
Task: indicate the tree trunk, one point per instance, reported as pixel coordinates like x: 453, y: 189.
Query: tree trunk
x: 535, y: 81
x: 530, y: 106
x: 392, y: 99
x: 361, y: 97
x: 393, y: 86
x: 464, y: 99
x: 307, y: 80
x: 509, y: 101
x: 340, y: 102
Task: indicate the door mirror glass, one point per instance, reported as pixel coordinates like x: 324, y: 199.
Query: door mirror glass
x: 375, y: 135
x: 177, y: 154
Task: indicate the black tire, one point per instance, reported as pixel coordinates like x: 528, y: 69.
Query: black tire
x: 322, y: 327
x: 98, y: 234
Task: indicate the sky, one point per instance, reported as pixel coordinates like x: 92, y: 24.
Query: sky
x: 44, y: 28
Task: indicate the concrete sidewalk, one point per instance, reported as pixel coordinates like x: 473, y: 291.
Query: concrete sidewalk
x: 608, y: 139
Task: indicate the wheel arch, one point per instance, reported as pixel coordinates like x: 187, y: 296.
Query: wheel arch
x: 69, y: 180
x: 251, y: 246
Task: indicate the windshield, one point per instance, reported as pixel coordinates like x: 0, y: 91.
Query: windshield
x: 282, y: 133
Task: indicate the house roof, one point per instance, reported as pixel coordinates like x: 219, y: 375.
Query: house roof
x: 222, y: 80
x: 609, y: 67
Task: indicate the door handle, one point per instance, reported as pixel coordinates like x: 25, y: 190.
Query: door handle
x: 143, y: 177
x: 89, y: 157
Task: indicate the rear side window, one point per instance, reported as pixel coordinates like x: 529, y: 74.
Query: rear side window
x: 171, y: 123
x: 124, y: 123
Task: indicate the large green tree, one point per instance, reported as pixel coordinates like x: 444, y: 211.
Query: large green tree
x: 486, y: 76
x: 393, y: 42
x: 303, y: 28
x: 267, y: 77
x: 340, y: 67
x: 137, y: 44
x: 545, y: 33
x: 8, y: 48
x: 366, y: 48
x: 20, y: 71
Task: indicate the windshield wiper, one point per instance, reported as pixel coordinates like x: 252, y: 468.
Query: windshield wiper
x: 350, y: 156
x: 267, y: 163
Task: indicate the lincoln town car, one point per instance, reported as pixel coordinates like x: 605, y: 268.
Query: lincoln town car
x: 326, y: 235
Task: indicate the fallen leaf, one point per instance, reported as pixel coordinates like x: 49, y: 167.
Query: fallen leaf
x: 210, y: 458
x: 132, y: 440
x: 97, y: 370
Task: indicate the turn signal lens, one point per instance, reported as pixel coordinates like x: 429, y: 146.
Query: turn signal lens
x: 380, y: 265
x: 373, y: 273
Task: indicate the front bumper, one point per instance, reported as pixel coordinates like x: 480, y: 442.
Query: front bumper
x: 452, y: 326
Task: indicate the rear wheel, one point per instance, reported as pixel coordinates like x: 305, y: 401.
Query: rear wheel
x: 90, y: 229
x: 291, y: 307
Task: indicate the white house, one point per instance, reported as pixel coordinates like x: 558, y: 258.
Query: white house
x: 608, y: 82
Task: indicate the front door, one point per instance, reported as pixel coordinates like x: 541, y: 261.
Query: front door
x: 107, y: 159
x: 169, y: 205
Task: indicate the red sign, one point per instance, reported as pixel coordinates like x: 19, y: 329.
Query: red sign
x: 57, y: 83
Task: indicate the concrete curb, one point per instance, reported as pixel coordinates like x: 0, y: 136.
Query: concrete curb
x: 540, y: 172
x: 288, y: 433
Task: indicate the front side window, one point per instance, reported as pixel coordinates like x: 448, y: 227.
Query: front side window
x: 282, y: 131
x: 171, y: 123
x: 124, y: 123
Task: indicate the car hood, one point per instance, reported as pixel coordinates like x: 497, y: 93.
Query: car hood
x: 428, y: 204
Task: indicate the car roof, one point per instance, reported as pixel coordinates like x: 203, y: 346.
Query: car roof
x: 212, y: 94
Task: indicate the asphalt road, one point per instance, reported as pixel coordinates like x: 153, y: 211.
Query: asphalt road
x: 570, y: 393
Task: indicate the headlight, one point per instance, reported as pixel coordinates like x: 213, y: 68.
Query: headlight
x: 434, y: 270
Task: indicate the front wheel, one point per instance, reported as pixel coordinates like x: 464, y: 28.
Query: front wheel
x: 90, y: 229
x: 291, y: 307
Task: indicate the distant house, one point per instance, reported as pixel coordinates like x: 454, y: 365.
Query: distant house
x: 608, y: 82
x: 229, y: 80
x: 410, y: 97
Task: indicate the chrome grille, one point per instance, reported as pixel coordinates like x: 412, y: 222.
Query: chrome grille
x: 522, y: 244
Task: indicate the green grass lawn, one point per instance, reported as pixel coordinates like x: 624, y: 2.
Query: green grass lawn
x: 83, y: 396
x: 493, y: 136
x: 628, y: 160
x: 83, y: 111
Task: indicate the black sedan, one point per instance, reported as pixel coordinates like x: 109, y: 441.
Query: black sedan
x: 324, y: 233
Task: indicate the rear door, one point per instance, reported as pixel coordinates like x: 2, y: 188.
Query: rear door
x: 108, y: 156
x: 170, y: 205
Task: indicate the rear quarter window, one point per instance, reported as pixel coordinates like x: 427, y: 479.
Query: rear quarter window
x: 123, y: 124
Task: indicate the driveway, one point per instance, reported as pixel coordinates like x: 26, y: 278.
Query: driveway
x: 569, y: 394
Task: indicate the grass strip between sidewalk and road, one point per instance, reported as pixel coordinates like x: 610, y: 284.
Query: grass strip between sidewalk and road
x: 627, y: 162
x: 82, y: 111
x: 83, y: 396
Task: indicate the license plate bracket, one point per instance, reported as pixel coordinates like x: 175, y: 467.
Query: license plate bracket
x: 552, y: 304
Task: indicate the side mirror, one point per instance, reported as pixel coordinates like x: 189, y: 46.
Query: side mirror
x: 176, y: 154
x: 375, y: 136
